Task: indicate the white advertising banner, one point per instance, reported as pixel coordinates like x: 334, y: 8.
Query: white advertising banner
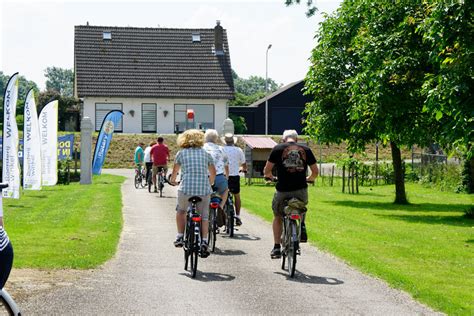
x: 31, y: 145
x: 48, y: 125
x: 10, y: 166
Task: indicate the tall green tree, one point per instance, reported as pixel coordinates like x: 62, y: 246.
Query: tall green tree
x: 247, y: 91
x: 367, y: 74
x: 60, y: 80
x: 449, y: 31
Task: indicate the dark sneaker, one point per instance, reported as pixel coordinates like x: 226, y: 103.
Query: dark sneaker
x: 238, y: 221
x: 276, y: 253
x: 304, y: 236
x: 204, y: 250
x: 156, y: 190
x: 179, y: 242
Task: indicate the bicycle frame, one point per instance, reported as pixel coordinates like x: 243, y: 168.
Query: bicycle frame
x: 290, y: 238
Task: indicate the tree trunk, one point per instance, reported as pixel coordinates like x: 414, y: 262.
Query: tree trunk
x: 468, y: 175
x: 400, y: 194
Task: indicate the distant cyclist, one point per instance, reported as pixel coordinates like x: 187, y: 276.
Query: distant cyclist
x: 291, y: 161
x: 139, y: 156
x: 148, y: 160
x: 236, y: 158
x: 6, y: 251
x: 160, y: 155
x: 197, y: 176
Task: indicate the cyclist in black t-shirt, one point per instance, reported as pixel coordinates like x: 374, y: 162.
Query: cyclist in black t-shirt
x: 291, y: 161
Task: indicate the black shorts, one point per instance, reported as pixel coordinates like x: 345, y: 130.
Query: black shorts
x: 234, y: 184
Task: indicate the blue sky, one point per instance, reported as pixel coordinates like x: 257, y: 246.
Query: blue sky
x: 38, y: 34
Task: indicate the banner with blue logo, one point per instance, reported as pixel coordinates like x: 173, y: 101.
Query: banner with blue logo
x: 111, y: 120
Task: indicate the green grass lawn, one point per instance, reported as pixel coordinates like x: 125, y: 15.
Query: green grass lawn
x: 426, y: 248
x: 66, y: 226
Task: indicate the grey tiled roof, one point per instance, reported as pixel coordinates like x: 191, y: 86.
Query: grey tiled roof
x: 150, y: 62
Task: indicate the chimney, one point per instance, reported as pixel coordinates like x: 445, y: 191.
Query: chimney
x: 219, y: 38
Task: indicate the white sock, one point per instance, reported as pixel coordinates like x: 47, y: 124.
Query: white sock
x: 179, y: 235
x: 237, y: 216
x: 204, y: 240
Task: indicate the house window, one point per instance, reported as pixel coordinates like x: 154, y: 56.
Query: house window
x: 101, y: 110
x: 148, y: 117
x: 203, y: 116
x: 196, y: 37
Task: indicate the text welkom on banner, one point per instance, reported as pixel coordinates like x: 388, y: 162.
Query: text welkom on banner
x: 31, y: 145
x: 48, y: 125
x: 10, y: 168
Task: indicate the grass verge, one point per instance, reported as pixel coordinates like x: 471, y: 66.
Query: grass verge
x: 425, y: 248
x: 73, y: 226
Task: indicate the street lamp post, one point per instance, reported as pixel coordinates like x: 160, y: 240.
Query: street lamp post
x: 266, y: 90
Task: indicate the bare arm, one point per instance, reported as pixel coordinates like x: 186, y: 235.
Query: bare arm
x: 174, y: 173
x: 212, y: 174
x: 267, y: 171
x: 226, y: 171
x: 244, y: 167
x: 1, y: 221
x: 314, y: 173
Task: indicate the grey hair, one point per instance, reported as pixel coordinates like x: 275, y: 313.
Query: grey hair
x: 290, y: 133
x: 211, y: 136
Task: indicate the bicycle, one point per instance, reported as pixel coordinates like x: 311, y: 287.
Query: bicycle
x: 160, y: 180
x: 139, y: 177
x: 5, y: 299
x: 213, y: 227
x: 291, y: 234
x: 229, y: 215
x: 192, y: 234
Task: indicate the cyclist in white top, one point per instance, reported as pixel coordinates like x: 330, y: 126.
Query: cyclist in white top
x: 221, y: 163
x: 147, y: 159
x: 236, y: 160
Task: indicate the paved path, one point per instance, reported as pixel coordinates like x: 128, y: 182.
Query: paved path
x: 147, y: 277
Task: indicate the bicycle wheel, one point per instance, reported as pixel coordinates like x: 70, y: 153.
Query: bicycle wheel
x: 160, y: 184
x: 212, y: 229
x: 188, y: 244
x: 143, y: 179
x: 292, y: 248
x: 137, y: 180
x: 230, y: 220
x: 194, y: 255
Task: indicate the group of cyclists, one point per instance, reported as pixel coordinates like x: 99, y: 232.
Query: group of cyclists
x: 155, y: 157
x: 205, y: 167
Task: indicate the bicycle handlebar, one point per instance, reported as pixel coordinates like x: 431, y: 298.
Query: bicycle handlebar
x: 275, y: 179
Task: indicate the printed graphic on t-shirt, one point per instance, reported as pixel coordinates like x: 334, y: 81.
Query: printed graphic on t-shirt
x: 293, y: 158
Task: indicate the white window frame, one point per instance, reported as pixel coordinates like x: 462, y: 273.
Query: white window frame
x: 103, y: 113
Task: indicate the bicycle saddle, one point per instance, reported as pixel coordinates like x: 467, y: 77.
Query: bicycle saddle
x: 194, y: 199
x: 3, y: 185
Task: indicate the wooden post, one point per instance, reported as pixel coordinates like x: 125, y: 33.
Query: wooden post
x: 343, y: 178
x: 332, y: 176
x: 357, y: 181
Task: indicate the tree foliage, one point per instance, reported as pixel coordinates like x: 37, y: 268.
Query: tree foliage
x: 372, y: 73
x: 24, y: 85
x: 247, y: 91
x: 60, y: 80
x: 68, y: 106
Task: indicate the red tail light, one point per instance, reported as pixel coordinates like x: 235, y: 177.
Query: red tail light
x: 214, y: 204
x: 294, y: 216
x: 196, y: 219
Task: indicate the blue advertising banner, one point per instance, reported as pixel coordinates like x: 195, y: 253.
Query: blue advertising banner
x: 105, y: 136
x: 65, y: 147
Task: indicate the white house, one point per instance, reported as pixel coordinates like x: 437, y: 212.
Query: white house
x: 154, y: 75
